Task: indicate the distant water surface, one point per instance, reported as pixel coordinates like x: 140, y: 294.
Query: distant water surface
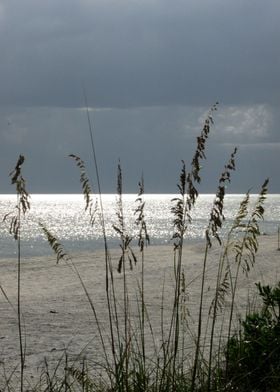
x: 65, y: 217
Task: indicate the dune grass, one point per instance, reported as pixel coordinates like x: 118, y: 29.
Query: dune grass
x: 131, y: 362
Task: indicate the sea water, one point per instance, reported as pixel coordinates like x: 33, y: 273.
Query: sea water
x: 65, y: 217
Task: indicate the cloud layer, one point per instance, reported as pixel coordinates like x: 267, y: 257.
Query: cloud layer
x: 151, y: 70
x: 139, y: 53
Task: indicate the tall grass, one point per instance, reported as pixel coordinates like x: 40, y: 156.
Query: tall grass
x: 215, y: 223
x: 15, y: 217
x: 170, y: 366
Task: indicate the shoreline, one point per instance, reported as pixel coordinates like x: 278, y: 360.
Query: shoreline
x: 57, y: 314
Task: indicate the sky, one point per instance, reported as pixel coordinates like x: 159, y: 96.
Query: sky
x: 151, y: 70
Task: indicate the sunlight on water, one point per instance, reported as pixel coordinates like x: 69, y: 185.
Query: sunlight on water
x: 64, y: 216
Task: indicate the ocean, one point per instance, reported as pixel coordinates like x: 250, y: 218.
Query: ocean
x: 64, y: 215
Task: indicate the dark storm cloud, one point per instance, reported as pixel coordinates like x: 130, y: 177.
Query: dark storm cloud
x: 139, y: 53
x: 151, y: 69
x: 152, y: 140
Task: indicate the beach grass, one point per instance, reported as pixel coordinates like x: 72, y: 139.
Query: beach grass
x: 187, y: 349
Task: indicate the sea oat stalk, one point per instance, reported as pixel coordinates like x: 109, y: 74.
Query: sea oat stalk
x: 22, y: 206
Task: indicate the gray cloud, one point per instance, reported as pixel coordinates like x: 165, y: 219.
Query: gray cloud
x: 139, y: 53
x: 151, y: 69
x: 152, y: 140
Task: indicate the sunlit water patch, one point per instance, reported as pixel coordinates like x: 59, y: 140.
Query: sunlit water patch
x: 65, y: 217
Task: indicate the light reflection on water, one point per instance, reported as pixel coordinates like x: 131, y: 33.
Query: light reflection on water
x: 65, y: 217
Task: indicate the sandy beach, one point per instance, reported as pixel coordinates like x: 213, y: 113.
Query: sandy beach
x: 57, y: 315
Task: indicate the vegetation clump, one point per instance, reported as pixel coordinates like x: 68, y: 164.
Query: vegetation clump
x: 254, y: 353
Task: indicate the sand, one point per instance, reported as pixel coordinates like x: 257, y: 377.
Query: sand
x: 57, y: 315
